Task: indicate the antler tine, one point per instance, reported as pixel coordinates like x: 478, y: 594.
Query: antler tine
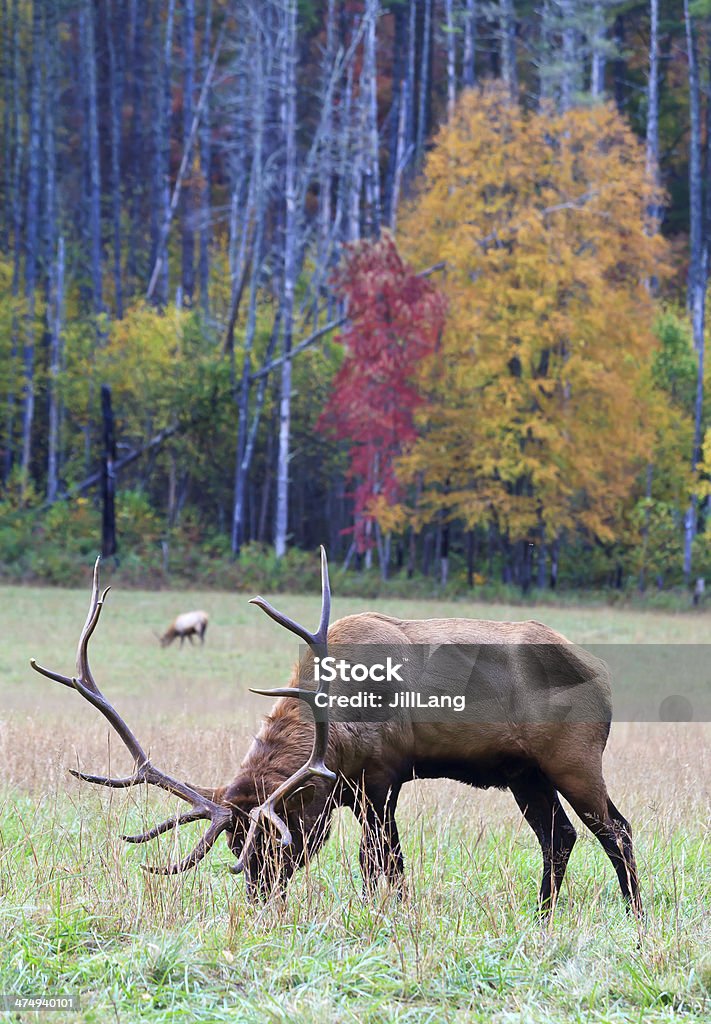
x: 96, y: 604
x: 318, y: 638
x: 144, y: 772
x: 164, y: 826
x: 218, y: 826
x: 322, y: 633
x: 315, y: 764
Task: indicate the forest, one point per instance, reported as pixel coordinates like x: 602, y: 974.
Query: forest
x: 423, y: 281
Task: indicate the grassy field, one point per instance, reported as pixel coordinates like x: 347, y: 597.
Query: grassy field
x: 78, y: 916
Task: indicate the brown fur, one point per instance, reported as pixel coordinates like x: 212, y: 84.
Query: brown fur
x: 536, y: 760
x: 189, y: 624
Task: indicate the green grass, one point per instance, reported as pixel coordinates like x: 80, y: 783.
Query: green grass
x: 78, y: 915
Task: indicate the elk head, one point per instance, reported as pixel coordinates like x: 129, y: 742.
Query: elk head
x: 251, y: 818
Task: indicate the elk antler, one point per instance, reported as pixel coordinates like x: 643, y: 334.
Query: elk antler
x: 143, y: 771
x: 318, y: 642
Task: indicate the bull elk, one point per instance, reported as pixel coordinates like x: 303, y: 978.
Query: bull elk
x: 189, y: 624
x: 277, y: 810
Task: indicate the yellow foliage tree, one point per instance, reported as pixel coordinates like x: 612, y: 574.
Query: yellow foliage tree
x: 541, y: 409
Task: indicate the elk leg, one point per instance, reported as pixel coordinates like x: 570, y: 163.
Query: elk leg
x: 543, y: 811
x: 590, y: 801
x: 380, y: 851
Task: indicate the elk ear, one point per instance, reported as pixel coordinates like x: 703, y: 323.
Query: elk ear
x: 301, y: 798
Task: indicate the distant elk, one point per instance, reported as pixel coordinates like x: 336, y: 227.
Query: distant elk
x: 189, y: 624
x: 276, y: 813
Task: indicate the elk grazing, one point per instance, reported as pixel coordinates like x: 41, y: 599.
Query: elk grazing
x: 276, y: 812
x: 189, y: 624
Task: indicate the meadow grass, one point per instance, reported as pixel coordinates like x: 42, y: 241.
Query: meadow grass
x: 77, y: 915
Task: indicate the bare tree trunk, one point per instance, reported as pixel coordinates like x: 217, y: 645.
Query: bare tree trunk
x: 53, y: 248
x: 136, y: 147
x: 507, y: 31
x: 55, y: 363
x: 597, y: 63
x: 619, y: 65
x: 205, y: 176
x: 411, y: 80
x: 188, y: 234
x: 86, y: 21
x: 652, y: 147
x: 451, y: 59
x: 161, y: 151
x: 569, y: 78
x: 424, y: 80
x: 356, y: 168
x: 341, y: 219
x: 115, y: 45
x: 698, y: 272
x: 401, y: 155
x: 108, y: 477
x: 652, y: 141
x: 288, y: 120
x: 394, y: 121
x: 469, y: 55
x: 241, y: 464
x: 369, y: 88
x: 31, y: 244
x: 17, y: 161
x: 6, y: 73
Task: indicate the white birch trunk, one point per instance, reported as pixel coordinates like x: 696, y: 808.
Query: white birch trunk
x: 288, y: 119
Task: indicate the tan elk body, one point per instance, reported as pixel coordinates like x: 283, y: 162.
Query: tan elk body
x: 277, y: 810
x: 189, y: 624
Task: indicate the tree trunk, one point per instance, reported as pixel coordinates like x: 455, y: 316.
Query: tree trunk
x: 652, y: 141
x: 396, y: 119
x: 597, y: 61
x: 555, y: 550
x: 698, y: 273
x: 619, y: 65
x: 469, y: 56
x: 31, y: 244
x: 108, y: 477
x: 288, y: 120
x: 444, y: 555
x: 507, y: 29
x: 188, y: 234
x: 135, y: 158
x: 423, y: 98
x: 451, y: 59
x: 17, y: 241
x: 161, y: 153
x: 369, y: 86
x: 6, y: 75
x: 55, y: 362
x: 115, y: 45
x: 86, y: 17
x: 470, y: 559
